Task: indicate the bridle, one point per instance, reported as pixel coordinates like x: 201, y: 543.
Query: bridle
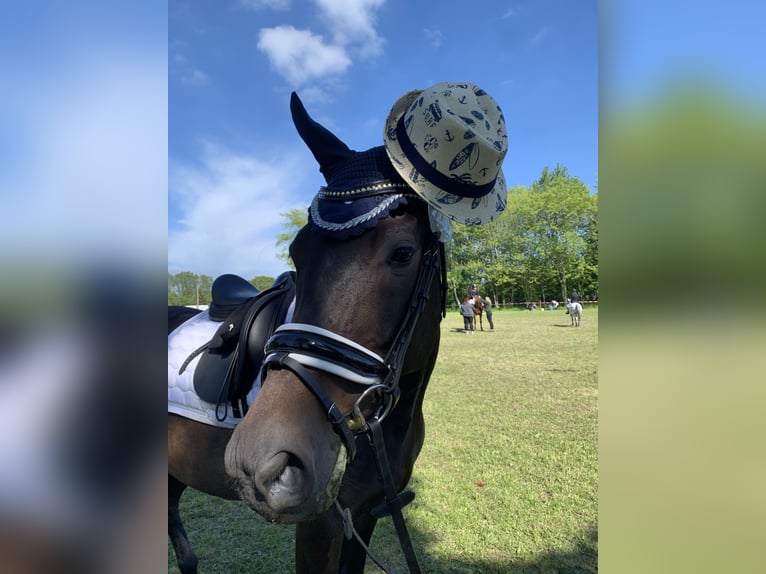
x: 299, y: 347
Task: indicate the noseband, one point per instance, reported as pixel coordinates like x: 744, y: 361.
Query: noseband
x: 299, y: 347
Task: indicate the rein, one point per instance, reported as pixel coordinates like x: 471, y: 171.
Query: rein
x: 299, y: 347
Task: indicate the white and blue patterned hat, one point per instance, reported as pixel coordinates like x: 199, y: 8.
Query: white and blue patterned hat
x: 448, y: 142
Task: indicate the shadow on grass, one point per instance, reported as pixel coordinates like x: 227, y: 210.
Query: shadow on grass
x: 582, y: 559
x: 578, y: 556
x: 231, y: 539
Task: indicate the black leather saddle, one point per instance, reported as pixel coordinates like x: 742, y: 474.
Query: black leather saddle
x: 231, y: 359
x: 229, y: 292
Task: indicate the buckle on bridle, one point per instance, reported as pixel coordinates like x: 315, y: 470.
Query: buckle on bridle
x: 387, y: 397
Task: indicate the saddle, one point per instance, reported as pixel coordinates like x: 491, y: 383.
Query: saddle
x: 230, y: 361
x: 229, y: 292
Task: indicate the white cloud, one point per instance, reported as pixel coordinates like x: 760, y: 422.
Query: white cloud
x: 195, y: 78
x: 433, y: 37
x: 508, y: 14
x: 353, y: 22
x: 230, y: 207
x: 300, y: 56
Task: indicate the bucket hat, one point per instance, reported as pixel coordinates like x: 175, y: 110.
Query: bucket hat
x: 448, y: 143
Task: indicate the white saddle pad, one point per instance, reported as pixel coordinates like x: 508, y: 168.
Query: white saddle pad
x: 182, y: 398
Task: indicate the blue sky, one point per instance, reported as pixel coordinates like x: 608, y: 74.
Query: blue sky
x: 140, y: 129
x: 235, y: 161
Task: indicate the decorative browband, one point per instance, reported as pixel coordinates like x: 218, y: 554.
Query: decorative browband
x: 359, y: 192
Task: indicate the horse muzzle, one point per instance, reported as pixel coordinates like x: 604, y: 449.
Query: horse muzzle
x: 286, y: 469
x: 281, y: 490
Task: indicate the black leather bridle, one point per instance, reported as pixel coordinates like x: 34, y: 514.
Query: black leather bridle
x: 299, y: 347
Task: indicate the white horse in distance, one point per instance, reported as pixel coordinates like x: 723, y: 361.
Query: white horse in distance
x: 575, y: 312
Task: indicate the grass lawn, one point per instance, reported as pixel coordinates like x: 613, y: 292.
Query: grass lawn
x: 507, y: 481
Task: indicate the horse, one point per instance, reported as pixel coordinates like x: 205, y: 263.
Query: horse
x: 330, y: 380
x: 478, y: 310
x: 574, y: 310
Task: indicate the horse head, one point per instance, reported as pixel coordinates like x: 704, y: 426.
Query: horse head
x: 361, y: 345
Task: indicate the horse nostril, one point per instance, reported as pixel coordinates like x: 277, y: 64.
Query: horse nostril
x: 289, y: 472
x: 283, y: 473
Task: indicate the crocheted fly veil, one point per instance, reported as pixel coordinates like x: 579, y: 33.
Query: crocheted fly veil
x: 362, y: 187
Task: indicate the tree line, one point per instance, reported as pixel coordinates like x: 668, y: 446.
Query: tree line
x: 187, y: 288
x: 542, y: 246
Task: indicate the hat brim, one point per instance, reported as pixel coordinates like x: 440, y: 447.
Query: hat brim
x: 466, y: 210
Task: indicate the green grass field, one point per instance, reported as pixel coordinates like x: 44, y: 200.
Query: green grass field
x: 507, y: 481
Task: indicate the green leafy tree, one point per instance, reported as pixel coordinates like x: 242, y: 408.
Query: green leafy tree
x: 545, y: 240
x: 262, y: 282
x: 187, y: 288
x: 589, y: 283
x: 558, y: 214
x: 293, y: 221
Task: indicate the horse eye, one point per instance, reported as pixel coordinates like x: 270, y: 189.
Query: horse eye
x: 402, y: 255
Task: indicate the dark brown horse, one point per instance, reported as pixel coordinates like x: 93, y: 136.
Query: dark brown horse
x: 478, y: 310
x: 341, y: 396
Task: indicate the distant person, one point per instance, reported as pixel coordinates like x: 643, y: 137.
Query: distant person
x: 466, y: 310
x: 474, y: 291
x: 575, y: 297
x: 487, y: 302
x: 554, y: 304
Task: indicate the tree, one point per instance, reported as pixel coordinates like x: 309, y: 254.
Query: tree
x: 479, y: 254
x: 293, y: 221
x: 262, y: 282
x: 187, y: 288
x: 559, y: 217
x: 545, y: 240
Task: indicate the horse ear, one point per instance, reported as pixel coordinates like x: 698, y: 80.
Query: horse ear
x: 326, y: 147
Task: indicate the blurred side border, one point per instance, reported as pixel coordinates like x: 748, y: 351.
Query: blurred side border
x: 681, y: 188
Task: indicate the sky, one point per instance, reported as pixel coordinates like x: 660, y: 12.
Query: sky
x: 161, y: 132
x: 235, y: 161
